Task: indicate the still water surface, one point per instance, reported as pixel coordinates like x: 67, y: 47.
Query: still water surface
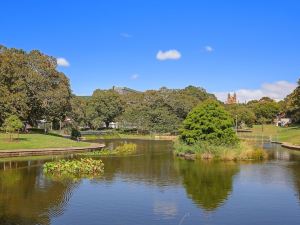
x: 153, y: 187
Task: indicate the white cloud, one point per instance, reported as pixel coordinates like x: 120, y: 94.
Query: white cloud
x: 277, y: 91
x: 126, y: 35
x: 172, y: 54
x: 62, y: 62
x: 134, y: 76
x: 208, y: 49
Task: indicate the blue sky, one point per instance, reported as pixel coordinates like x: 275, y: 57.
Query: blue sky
x: 251, y: 47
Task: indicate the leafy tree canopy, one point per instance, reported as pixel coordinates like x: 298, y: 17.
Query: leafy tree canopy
x: 209, y: 122
x: 293, y: 104
x: 31, y: 87
x: 12, y: 124
x: 104, y: 106
x: 242, y: 113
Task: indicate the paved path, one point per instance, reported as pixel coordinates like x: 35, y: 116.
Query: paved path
x: 290, y: 146
x: 48, y: 151
x: 287, y: 145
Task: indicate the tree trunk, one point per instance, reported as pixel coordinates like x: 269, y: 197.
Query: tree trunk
x: 107, y: 124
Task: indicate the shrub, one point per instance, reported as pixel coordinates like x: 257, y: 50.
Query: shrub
x: 75, y: 134
x: 210, y: 123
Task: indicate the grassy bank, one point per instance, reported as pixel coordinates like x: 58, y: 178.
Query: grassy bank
x: 243, y: 151
x: 128, y: 136
x: 282, y: 134
x: 32, y: 141
x: 124, y: 149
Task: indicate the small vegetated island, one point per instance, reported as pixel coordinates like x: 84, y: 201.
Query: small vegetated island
x: 207, y: 133
x: 84, y: 167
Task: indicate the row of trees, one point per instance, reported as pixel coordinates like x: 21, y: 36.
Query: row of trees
x: 260, y: 111
x: 33, y: 89
x: 160, y: 110
x: 266, y: 109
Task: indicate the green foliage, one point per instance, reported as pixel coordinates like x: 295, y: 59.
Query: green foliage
x: 265, y: 110
x: 203, y: 150
x: 104, y: 106
x: 31, y: 87
x: 292, y: 105
x: 75, y: 133
x: 12, y: 124
x: 161, y: 111
x: 126, y: 148
x: 243, y: 114
x: 208, y: 122
x: 79, y: 110
x: 74, y: 169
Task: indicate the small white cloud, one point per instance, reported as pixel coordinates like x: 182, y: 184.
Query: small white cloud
x: 126, y: 35
x: 208, y: 49
x: 134, y: 76
x: 277, y: 91
x: 168, y: 55
x: 62, y: 62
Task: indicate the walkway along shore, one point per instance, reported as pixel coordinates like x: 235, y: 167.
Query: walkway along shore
x: 287, y: 145
x: 48, y: 151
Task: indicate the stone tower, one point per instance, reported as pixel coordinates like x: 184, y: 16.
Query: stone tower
x: 231, y: 99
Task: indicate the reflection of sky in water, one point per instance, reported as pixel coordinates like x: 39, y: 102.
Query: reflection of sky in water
x: 165, y: 208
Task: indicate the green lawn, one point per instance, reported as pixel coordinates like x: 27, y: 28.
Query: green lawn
x: 281, y: 134
x: 30, y: 141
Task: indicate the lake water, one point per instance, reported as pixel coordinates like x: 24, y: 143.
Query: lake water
x: 154, y: 187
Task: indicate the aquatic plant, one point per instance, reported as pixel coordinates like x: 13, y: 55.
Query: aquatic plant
x: 84, y: 167
x: 124, y: 149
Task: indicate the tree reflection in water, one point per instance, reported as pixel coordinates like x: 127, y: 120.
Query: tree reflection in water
x: 27, y: 198
x: 296, y: 177
x: 208, y: 184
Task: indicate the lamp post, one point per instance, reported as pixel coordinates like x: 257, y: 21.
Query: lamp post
x: 236, y: 124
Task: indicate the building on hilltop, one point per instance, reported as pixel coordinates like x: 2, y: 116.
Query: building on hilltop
x: 231, y: 99
x: 124, y: 90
